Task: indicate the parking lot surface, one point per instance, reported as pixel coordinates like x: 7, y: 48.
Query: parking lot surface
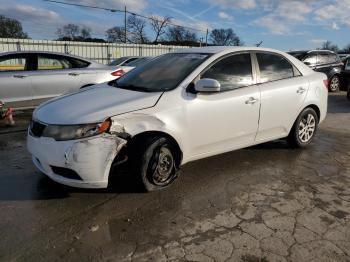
x: 264, y: 203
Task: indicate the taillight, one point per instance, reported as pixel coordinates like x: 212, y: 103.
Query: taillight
x: 118, y: 72
x: 325, y: 82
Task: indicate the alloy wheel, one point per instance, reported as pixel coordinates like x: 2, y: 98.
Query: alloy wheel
x: 164, y: 168
x: 334, y: 84
x: 307, y: 127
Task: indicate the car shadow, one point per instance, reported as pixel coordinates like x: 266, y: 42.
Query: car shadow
x: 338, y: 103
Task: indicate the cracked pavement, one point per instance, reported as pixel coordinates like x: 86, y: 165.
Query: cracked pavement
x: 264, y: 203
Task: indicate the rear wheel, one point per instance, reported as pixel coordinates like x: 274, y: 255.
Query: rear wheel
x: 303, y: 129
x: 155, y: 161
x: 334, y: 84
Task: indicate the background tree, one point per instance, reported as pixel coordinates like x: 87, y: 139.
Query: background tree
x: 346, y: 49
x: 116, y: 35
x: 180, y: 35
x: 158, y: 26
x: 136, y: 28
x: 225, y: 37
x: 328, y: 45
x: 11, y: 28
x: 73, y: 32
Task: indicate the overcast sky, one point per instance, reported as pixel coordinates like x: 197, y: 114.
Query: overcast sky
x: 281, y: 24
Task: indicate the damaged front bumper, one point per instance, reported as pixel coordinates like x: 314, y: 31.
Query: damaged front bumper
x: 84, y: 163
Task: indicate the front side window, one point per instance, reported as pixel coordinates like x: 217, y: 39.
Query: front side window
x: 163, y: 73
x: 274, y: 67
x: 231, y: 72
x: 13, y: 63
x: 46, y: 62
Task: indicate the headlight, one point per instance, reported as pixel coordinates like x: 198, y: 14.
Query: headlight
x: 61, y: 133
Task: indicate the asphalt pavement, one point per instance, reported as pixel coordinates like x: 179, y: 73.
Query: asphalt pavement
x: 264, y: 203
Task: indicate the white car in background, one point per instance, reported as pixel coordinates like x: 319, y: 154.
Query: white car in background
x: 29, y: 78
x: 182, y: 106
x: 132, y: 64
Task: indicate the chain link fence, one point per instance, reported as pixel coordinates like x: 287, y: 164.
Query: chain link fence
x: 100, y: 52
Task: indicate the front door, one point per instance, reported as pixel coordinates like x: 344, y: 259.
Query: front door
x: 226, y: 120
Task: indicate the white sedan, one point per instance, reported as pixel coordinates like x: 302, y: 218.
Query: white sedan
x: 178, y: 108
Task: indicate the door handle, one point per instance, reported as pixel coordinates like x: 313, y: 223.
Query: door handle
x: 19, y: 76
x: 73, y: 74
x: 251, y: 101
x: 301, y: 90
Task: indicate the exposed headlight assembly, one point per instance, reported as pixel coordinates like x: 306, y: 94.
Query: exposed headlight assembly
x: 71, y: 132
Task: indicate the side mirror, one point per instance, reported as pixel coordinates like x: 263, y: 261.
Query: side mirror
x: 207, y: 85
x: 307, y: 63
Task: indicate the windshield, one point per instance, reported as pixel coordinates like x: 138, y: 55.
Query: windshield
x: 161, y: 74
x: 118, y: 61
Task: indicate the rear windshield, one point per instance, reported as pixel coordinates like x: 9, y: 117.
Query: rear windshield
x: 163, y: 73
x: 139, y: 61
x: 299, y: 56
x: 118, y: 61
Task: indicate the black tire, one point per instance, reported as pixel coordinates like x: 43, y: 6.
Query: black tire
x: 147, y: 164
x: 299, y: 136
x: 334, y: 84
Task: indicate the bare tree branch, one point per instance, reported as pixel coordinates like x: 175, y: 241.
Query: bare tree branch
x: 159, y: 25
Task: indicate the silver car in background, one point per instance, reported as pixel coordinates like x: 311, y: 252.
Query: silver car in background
x: 29, y: 78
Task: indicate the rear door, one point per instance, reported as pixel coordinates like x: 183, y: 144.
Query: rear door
x: 283, y: 91
x: 15, y: 80
x: 54, y: 76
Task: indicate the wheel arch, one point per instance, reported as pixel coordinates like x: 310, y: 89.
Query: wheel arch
x: 154, y: 133
x: 314, y: 107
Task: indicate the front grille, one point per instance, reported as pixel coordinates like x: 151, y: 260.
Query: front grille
x: 65, y: 172
x: 36, y: 128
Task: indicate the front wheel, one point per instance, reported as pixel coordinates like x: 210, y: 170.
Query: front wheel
x: 304, y: 128
x: 155, y: 162
x: 334, y: 84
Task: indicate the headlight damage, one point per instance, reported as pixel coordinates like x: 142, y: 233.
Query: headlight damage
x: 62, y: 133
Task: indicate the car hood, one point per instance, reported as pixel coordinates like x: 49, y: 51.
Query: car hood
x: 93, y: 105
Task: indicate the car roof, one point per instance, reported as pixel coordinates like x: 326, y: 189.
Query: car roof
x: 311, y: 51
x: 44, y: 52
x: 220, y: 49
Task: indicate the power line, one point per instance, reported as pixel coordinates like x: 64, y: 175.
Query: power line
x: 124, y: 11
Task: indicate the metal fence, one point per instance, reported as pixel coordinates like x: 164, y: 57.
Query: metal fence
x: 100, y: 52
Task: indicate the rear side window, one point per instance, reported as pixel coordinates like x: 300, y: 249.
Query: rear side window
x: 274, y: 67
x: 47, y: 62
x: 232, y: 72
x: 324, y: 58
x: 13, y: 63
x: 77, y: 63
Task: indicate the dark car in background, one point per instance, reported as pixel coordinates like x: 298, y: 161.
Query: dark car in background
x: 323, y: 61
x: 345, y: 77
x: 123, y: 60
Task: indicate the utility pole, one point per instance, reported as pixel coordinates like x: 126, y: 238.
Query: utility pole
x: 125, y: 24
x: 206, y: 38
